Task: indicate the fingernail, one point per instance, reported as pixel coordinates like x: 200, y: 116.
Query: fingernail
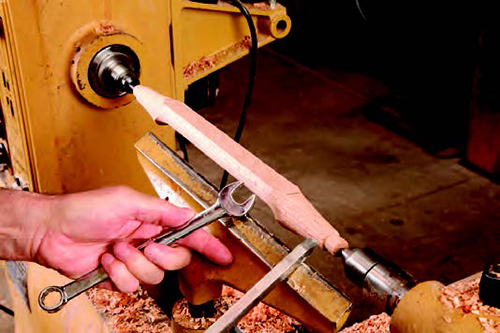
x: 151, y: 251
x: 107, y: 259
x: 227, y: 257
x: 157, y: 229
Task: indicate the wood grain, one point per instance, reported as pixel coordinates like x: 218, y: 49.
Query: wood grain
x: 289, y: 206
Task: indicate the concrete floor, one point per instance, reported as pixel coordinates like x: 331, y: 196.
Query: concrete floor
x: 433, y: 217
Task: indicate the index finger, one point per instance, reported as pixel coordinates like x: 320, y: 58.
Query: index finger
x: 209, y: 246
x: 154, y: 210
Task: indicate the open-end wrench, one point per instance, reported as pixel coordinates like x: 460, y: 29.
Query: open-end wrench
x: 224, y: 206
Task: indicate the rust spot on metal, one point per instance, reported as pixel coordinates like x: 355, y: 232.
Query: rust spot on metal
x: 205, y: 63
x: 79, y: 82
x: 261, y: 5
x: 105, y: 28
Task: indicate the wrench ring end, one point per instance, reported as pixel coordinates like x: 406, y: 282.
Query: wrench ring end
x: 48, y: 290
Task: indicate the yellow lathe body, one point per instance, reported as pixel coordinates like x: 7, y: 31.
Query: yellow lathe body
x: 61, y: 136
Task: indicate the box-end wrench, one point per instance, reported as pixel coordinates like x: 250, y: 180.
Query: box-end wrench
x: 224, y: 206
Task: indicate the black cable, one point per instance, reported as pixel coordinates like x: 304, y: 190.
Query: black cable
x: 6, y: 310
x: 358, y: 5
x: 251, y: 79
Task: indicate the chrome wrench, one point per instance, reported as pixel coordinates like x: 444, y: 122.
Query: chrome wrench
x: 224, y: 206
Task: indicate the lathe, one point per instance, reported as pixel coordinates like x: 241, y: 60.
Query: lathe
x: 72, y: 123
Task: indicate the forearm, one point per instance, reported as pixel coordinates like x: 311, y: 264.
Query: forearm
x: 22, y: 217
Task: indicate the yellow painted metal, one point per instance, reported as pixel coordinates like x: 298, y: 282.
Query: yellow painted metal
x: 207, y: 37
x: 72, y: 145
x: 62, y: 137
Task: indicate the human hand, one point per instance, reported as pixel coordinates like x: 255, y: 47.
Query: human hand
x: 104, y: 226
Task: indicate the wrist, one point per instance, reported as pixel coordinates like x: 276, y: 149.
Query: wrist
x: 24, y: 218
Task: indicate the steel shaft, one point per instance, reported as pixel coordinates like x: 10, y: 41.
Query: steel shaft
x: 383, y: 282
x: 114, y: 71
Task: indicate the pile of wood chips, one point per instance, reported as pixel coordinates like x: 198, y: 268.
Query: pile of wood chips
x: 464, y: 295
x: 380, y: 323
x: 137, y: 312
x: 262, y: 318
x: 7, y: 180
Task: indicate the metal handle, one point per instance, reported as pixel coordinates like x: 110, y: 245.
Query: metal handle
x: 63, y: 298
x: 71, y: 290
x: 200, y: 220
x: 75, y: 288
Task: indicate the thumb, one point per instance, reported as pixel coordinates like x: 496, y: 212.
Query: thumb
x: 149, y: 209
x: 157, y: 211
x: 176, y: 216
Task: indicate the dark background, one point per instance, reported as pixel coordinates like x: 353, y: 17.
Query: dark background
x: 424, y: 52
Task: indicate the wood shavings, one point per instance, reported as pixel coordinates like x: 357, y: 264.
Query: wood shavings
x: 135, y: 312
x: 464, y: 295
x: 205, y: 63
x: 262, y: 318
x: 181, y: 315
x: 380, y: 323
x: 8, y: 181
